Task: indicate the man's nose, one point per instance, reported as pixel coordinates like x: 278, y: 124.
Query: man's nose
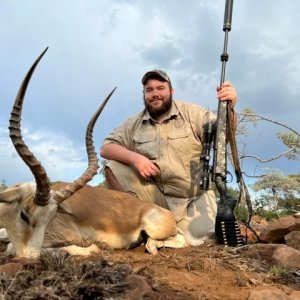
x: 155, y: 93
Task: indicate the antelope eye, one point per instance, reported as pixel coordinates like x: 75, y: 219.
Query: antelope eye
x: 24, y: 217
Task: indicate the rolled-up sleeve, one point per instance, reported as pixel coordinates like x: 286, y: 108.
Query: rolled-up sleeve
x: 123, y: 135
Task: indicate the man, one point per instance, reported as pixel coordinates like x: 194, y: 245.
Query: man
x: 155, y: 155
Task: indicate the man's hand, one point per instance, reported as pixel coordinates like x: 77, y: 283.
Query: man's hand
x: 227, y: 93
x: 145, y: 167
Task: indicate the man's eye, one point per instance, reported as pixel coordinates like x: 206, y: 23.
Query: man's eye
x: 24, y: 217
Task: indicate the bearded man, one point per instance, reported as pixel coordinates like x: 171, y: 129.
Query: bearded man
x: 155, y: 155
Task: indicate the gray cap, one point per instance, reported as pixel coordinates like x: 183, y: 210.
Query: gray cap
x: 156, y: 73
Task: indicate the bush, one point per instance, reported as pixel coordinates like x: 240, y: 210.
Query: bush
x: 267, y: 214
x: 242, y: 214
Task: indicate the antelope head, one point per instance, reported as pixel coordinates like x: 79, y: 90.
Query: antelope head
x: 27, y: 208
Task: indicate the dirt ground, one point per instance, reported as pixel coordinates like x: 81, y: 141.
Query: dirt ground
x: 206, y: 272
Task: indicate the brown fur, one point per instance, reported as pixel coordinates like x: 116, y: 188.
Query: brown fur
x: 116, y: 218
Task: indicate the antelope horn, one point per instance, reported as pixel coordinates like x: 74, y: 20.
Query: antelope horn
x: 42, y: 181
x: 93, y: 166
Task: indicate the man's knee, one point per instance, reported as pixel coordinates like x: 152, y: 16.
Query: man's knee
x: 199, y: 222
x: 122, y: 177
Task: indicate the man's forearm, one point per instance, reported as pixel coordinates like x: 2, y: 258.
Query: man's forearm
x: 117, y: 152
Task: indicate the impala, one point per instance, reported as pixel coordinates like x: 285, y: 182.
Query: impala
x: 36, y: 215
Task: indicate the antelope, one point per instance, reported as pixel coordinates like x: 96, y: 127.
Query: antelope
x: 36, y: 215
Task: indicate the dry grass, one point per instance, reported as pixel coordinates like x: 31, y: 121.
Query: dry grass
x: 206, y: 272
x: 62, y: 277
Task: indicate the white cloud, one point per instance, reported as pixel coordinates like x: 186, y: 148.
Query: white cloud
x: 62, y: 158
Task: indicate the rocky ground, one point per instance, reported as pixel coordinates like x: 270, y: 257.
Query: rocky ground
x: 209, y: 271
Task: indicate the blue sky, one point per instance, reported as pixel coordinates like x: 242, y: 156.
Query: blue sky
x: 97, y: 45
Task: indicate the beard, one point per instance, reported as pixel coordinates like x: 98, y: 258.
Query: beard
x: 158, y: 111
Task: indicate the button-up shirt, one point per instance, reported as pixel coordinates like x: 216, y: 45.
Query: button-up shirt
x: 174, y: 145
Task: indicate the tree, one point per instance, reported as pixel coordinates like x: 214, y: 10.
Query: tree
x: 277, y: 187
x: 291, y: 204
x: 291, y: 138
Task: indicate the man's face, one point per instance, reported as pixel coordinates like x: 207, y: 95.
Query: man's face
x: 157, y: 97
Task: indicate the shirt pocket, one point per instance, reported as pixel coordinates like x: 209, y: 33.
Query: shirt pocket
x: 178, y: 141
x: 146, y: 144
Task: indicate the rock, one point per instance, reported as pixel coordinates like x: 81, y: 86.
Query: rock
x: 276, y: 230
x: 268, y: 294
x: 292, y: 239
x: 257, y: 223
x: 278, y: 254
x: 247, y: 234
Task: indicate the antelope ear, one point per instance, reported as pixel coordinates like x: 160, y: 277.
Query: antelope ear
x: 10, y: 195
x: 65, y: 209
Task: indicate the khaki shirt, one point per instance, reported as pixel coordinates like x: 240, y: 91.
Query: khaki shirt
x: 174, y: 145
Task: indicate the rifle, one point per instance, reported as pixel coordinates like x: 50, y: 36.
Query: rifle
x: 226, y: 228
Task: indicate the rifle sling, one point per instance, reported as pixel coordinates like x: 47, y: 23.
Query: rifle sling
x: 244, y: 193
